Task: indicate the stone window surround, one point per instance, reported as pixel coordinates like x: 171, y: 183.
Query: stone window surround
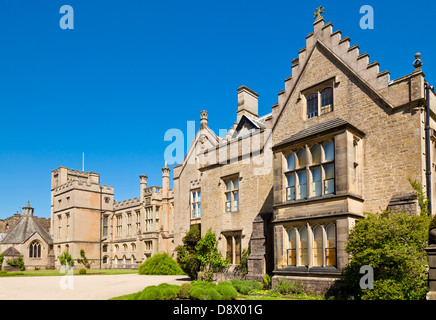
x: 307, y: 167
x: 196, y: 203
x: 310, y: 245
x: 317, y: 89
x: 224, y: 180
x: 236, y: 256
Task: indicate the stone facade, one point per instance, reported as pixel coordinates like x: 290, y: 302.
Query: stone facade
x: 113, y: 234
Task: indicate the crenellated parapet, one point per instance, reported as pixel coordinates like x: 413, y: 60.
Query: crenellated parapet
x: 127, y: 203
x: 84, y: 185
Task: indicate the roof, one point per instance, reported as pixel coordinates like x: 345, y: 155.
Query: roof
x: 11, y: 252
x: 24, y: 229
x: 321, y: 128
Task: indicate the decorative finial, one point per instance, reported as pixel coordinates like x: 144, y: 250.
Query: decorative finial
x: 317, y: 15
x: 417, y: 63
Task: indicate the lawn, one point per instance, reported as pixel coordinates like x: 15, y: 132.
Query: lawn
x: 40, y: 273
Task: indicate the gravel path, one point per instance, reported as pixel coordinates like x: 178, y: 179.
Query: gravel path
x: 79, y: 287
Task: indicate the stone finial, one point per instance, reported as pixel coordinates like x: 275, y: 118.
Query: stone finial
x: 417, y: 63
x: 203, y: 118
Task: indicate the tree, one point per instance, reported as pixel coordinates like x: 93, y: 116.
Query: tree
x: 200, y: 254
x: 393, y: 244
x: 187, y: 255
x: 66, y: 260
x: 83, y: 260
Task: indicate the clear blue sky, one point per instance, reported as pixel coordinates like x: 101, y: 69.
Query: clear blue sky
x: 131, y: 70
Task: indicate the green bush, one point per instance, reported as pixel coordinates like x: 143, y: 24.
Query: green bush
x: 184, y: 290
x: 384, y: 290
x: 393, y: 244
x: 245, y: 286
x: 266, y: 281
x: 17, y: 263
x: 227, y: 291
x: 82, y: 271
x: 187, y: 255
x: 198, y: 293
x: 149, y: 293
x: 160, y: 264
x: 1, y: 260
x: 286, y: 287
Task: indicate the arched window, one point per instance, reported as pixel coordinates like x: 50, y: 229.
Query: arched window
x: 316, y: 181
x: 35, y: 250
x: 331, y: 245
x: 105, y: 260
x: 304, y: 257
x: 292, y: 247
x: 133, y: 247
x: 326, y: 100
x: 124, y: 247
x: 316, y: 154
x: 302, y: 184
x: 116, y: 248
x: 290, y: 160
x: 312, y: 106
x: 302, y: 160
x: 317, y: 246
x: 290, y: 190
x: 329, y: 152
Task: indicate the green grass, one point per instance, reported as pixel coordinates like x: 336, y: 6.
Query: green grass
x: 45, y: 273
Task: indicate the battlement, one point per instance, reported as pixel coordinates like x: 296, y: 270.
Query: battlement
x: 127, y: 203
x: 74, y: 184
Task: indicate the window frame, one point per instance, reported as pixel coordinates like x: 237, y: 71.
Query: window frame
x: 231, y: 196
x: 317, y: 94
x: 195, y: 205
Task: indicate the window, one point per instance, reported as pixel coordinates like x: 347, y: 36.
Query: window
x: 317, y: 246
x: 67, y: 230
x: 129, y: 223
x: 196, y: 204
x: 148, y: 219
x: 312, y: 106
x: 310, y: 172
x: 138, y: 222
x: 320, y: 103
x: 35, y: 250
x: 322, y: 252
x: 105, y: 248
x: 119, y: 225
x: 105, y: 225
x: 331, y: 245
x: 232, y: 195
x: 133, y: 247
x: 234, y: 248
x: 156, y: 221
x: 292, y: 247
x: 148, y: 245
x: 304, y: 254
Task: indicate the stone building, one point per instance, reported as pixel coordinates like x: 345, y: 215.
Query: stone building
x: 28, y: 238
x: 347, y: 139
x: 113, y: 234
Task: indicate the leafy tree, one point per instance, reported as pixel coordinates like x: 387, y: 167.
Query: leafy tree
x: 393, y: 244
x: 210, y: 257
x: 66, y: 260
x: 187, y: 255
x: 200, y: 254
x: 83, y: 260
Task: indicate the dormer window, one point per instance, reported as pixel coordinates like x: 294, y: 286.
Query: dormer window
x: 319, y: 103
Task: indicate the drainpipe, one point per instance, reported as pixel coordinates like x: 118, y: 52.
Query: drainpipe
x: 428, y: 149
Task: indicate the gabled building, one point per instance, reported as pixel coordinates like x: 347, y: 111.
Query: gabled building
x: 347, y: 139
x: 28, y: 239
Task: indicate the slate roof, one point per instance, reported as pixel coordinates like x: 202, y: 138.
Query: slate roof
x: 322, y: 128
x: 24, y: 229
x: 11, y: 252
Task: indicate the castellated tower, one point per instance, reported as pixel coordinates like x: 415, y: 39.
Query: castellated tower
x: 77, y: 205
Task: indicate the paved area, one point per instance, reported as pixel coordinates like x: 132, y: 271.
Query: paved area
x: 79, y: 287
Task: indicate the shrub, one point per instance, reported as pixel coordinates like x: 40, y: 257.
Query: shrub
x: 83, y: 259
x: 384, y: 290
x: 286, y: 287
x: 242, y: 267
x: 65, y: 259
x: 82, y: 271
x: 266, y: 282
x: 213, y: 294
x: 184, y: 290
x: 245, y: 286
x: 198, y: 293
x: 393, y: 244
x: 149, y: 293
x: 160, y: 264
x: 227, y: 291
x: 17, y: 263
x: 168, y: 291
x: 1, y: 260
x: 187, y: 255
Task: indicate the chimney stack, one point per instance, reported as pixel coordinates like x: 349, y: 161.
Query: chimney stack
x: 248, y: 103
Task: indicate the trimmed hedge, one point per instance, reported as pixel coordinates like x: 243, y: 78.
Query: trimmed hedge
x: 160, y: 264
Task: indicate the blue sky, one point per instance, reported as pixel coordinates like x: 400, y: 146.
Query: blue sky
x: 131, y: 70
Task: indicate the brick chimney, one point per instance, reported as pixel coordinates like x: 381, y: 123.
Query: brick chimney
x: 248, y: 104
